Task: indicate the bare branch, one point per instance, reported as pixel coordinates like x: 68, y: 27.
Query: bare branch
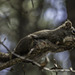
x: 58, y: 70
x: 10, y: 63
x: 51, y: 70
x: 4, y: 57
x: 8, y: 55
x: 5, y: 46
x: 18, y: 60
x: 31, y: 56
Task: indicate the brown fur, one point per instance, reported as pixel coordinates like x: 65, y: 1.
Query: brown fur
x: 54, y: 36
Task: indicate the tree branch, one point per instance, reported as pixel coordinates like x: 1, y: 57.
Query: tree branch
x: 10, y: 63
x: 43, y: 46
x: 19, y: 60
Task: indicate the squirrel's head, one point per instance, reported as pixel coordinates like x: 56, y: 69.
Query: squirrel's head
x: 68, y: 29
x: 67, y: 24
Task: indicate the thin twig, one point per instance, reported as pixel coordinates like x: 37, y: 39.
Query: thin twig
x: 12, y: 53
x: 5, y: 46
x: 51, y: 70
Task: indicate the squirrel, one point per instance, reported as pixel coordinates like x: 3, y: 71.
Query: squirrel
x: 55, y: 36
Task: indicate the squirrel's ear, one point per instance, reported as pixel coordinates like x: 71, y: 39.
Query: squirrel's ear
x: 68, y: 24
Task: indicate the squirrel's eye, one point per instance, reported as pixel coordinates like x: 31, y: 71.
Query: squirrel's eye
x: 73, y: 31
